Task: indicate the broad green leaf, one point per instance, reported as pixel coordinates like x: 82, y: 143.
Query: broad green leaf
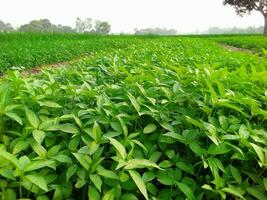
x: 233, y: 192
x: 49, y: 104
x: 257, y: 193
x: 139, y: 182
x: 259, y: 152
x: 83, y: 159
x: 20, y: 146
x: 42, y: 197
x: 176, y: 136
x: 109, y: 195
x: 9, y: 194
x: 107, y: 173
x: 123, y: 126
x: 140, y: 163
x: 93, y: 146
x: 32, y: 118
x: 128, y: 196
x: 39, y: 149
x: 150, y: 128
x: 265, y: 181
x: 11, y: 158
x: 165, y: 164
x: 96, y: 133
x: 15, y: 117
x: 38, y: 181
x: 68, y: 128
x: 97, y: 181
x: 34, y: 165
x: 70, y: 172
x: 39, y: 136
x: 62, y: 158
x: 188, y: 192
x: 243, y: 132
x: 148, y: 176
x: 236, y: 174
x: 134, y: 102
x: 93, y: 194
x: 119, y: 147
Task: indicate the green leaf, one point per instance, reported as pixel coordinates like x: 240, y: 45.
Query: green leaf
x: 32, y: 118
x: 68, y: 128
x: 165, y: 164
x: 233, y: 192
x: 128, y: 196
x: 188, y: 192
x: 62, y: 158
x: 243, y: 132
x: 37, y: 180
x: 150, y: 128
x: 11, y: 158
x: 83, y: 159
x: 49, y: 104
x: 109, y: 195
x: 15, y: 117
x: 134, y: 102
x: 34, y: 165
x: 39, y: 136
x: 97, y: 181
x: 259, y: 152
x: 123, y: 126
x: 70, y: 172
x: 93, y: 194
x: 20, y: 146
x: 148, y: 176
x: 140, y: 163
x: 236, y: 174
x: 139, y: 182
x: 96, y: 133
x: 9, y: 194
x: 93, y: 146
x: 106, y: 173
x: 265, y: 183
x: 176, y: 136
x: 42, y: 197
x: 39, y: 149
x: 257, y: 193
x: 119, y: 147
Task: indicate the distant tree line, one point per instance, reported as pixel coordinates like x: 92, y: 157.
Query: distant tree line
x: 44, y: 25
x: 155, y: 31
x: 6, y: 27
x: 234, y: 30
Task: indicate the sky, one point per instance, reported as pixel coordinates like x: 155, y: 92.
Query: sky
x: 124, y: 15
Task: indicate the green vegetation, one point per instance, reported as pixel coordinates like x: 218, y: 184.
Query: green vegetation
x: 26, y: 50
x: 143, y: 118
x: 256, y: 43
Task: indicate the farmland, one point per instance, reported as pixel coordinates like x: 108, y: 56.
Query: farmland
x: 133, y: 118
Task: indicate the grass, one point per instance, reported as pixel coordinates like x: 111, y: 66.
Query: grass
x: 160, y: 118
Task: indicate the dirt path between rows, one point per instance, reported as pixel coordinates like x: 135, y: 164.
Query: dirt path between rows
x: 237, y: 49
x: 39, y: 68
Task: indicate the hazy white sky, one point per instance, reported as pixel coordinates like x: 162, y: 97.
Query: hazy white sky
x: 125, y: 15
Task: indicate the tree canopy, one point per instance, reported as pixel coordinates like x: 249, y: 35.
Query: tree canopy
x: 246, y: 6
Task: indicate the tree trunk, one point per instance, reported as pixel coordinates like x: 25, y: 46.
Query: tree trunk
x: 265, y: 25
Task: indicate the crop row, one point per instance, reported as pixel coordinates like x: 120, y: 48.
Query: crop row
x: 166, y: 119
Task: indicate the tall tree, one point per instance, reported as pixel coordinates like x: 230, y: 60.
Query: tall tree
x: 102, y: 27
x: 84, y: 25
x: 246, y: 6
x: 5, y: 27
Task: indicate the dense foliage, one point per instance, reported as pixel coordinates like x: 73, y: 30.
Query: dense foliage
x: 26, y: 50
x: 168, y: 118
x: 256, y: 43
